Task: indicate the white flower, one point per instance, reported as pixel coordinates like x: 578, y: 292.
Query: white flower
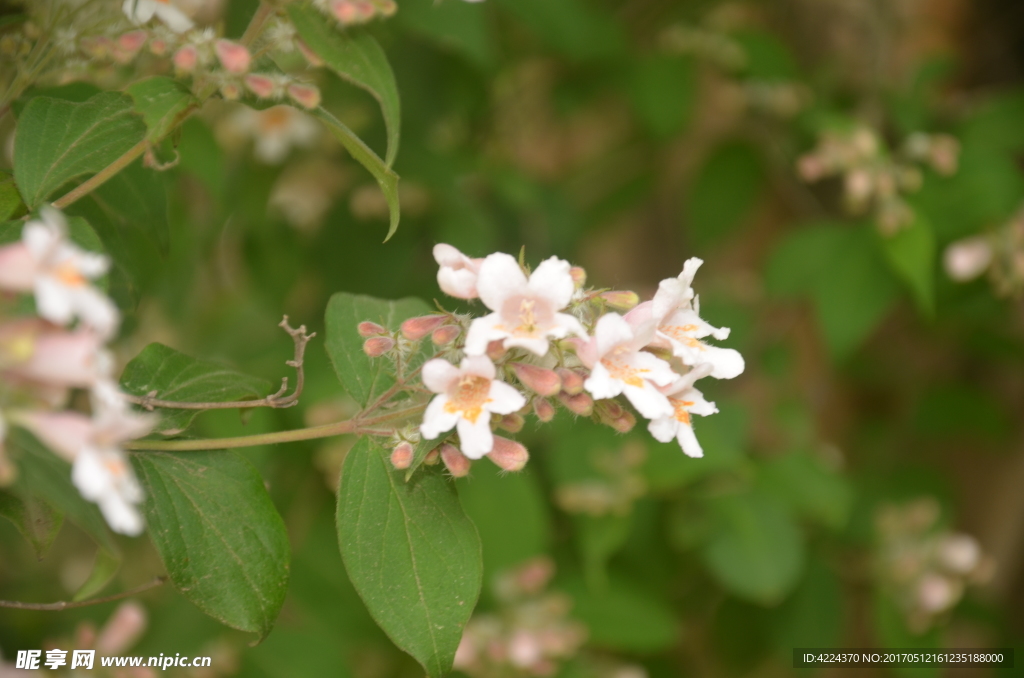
x: 679, y: 327
x: 34, y: 350
x: 59, y: 273
x: 617, y: 365
x: 968, y: 258
x: 458, y: 273
x: 526, y: 312
x: 100, y: 470
x: 685, y: 401
x: 468, y: 394
x: 275, y: 130
x: 141, y: 11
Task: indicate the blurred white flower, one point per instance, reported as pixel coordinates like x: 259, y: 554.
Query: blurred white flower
x: 275, y: 131
x: 141, y: 11
x: 966, y: 259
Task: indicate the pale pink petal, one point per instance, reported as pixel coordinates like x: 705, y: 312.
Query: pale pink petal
x: 96, y: 310
x: 458, y: 283
x: 18, y: 268
x: 568, y: 324
x: 690, y: 267
x: 65, y: 433
x: 479, y: 365
x: 600, y: 383
x: 504, y: 398
x: 483, y: 331
x: 436, y: 419
x: 41, y: 237
x: 611, y: 330
x: 173, y: 17
x: 53, y: 301
x: 648, y: 401
x: 536, y: 345
x: 552, y: 281
x: 663, y: 429
x: 64, y: 358
x: 438, y: 375
x: 500, y: 278
x: 727, y: 362
x: 475, y: 438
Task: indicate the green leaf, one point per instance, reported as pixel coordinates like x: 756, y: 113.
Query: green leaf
x: 756, y: 551
x: 623, y: 616
x: 46, y: 475
x: 359, y: 59
x: 11, y: 206
x: 37, y: 521
x: 911, y: 254
x: 163, y: 104
x: 662, y: 92
x: 221, y: 539
x: 724, y: 193
x: 178, y: 377
x: 813, y: 615
x: 802, y: 257
x: 362, y: 376
x: 57, y: 141
x: 809, y: 488
x: 599, y: 538
x: 462, y: 27
x: 411, y: 553
x: 578, y: 29
x: 386, y: 178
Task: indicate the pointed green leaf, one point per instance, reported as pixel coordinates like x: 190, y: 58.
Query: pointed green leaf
x: 57, y: 141
x: 386, y: 178
x: 356, y: 57
x: 37, y: 521
x: 163, y: 104
x: 411, y: 553
x: 181, y: 378
x: 104, y: 567
x: 911, y: 254
x: 362, y: 376
x: 221, y: 539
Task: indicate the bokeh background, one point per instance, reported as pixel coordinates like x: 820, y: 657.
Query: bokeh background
x: 863, y: 485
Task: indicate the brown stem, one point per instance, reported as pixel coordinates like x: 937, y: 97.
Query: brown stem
x: 98, y: 179
x: 263, y: 12
x: 275, y: 400
x: 67, y: 605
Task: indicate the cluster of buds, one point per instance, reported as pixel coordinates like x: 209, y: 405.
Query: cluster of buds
x: 1000, y: 253
x: 875, y: 180
x: 356, y: 12
x: 530, y: 633
x: 926, y: 568
x: 613, y: 493
x: 59, y: 348
x: 548, y: 340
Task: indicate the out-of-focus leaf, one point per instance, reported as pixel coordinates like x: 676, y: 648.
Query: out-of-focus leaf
x: 756, y: 551
x: 72, y: 91
x: 218, y: 534
x: 386, y: 178
x: 162, y: 102
x: 662, y: 91
x: 306, y: 652
x: 722, y: 436
x: 623, y: 616
x: 911, y: 253
x: 767, y: 57
x: 357, y: 58
x: 202, y: 156
x: 362, y: 376
x: 813, y: 616
x: 599, y: 538
x: 37, y: 521
x: 104, y: 567
x: 809, y: 488
x: 178, y: 377
x: 57, y: 141
x: 462, y: 27
x: 411, y: 553
x: 573, y: 27
x: 724, y: 192
x: 508, y: 537
x: 801, y: 258
x: 891, y: 630
x: 961, y: 411
x: 11, y: 205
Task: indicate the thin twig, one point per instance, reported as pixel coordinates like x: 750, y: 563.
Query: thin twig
x: 255, y: 27
x: 98, y: 179
x: 275, y: 400
x: 67, y: 605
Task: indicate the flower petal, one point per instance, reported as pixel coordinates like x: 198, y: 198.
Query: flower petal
x: 436, y: 419
x: 479, y: 365
x: 173, y: 17
x: 500, y: 278
x: 648, y: 401
x: 536, y: 345
x: 475, y: 438
x: 600, y: 383
x: 611, y: 330
x: 483, y: 331
x: 552, y: 281
x: 53, y: 301
x: 438, y: 374
x: 663, y: 429
x: 688, y: 441
x: 505, y: 399
x: 458, y: 283
x: 18, y: 268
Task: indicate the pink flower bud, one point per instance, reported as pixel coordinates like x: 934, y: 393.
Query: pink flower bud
x: 572, y: 381
x: 513, y: 423
x: 443, y: 336
x: 456, y: 462
x: 608, y: 410
x: 364, y: 10
x: 124, y: 628
x: 621, y: 300
x: 968, y: 258
x: 415, y: 329
x: 231, y: 91
x: 345, y: 12
x: 579, y: 276
x: 378, y: 346
x: 312, y: 57
x: 401, y: 456
x: 185, y: 59
x: 540, y: 380
x: 581, y: 403
x: 387, y: 8
x: 233, y: 57
x: 432, y: 457
x: 368, y: 329
x: 495, y: 350
x: 129, y: 44
x: 307, y: 96
x: 810, y: 167
x: 262, y: 86
x: 508, y: 454
x: 544, y: 410
x: 159, y: 46
x: 625, y: 423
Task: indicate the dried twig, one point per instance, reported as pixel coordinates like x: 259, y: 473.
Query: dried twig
x: 67, y: 605
x: 274, y: 400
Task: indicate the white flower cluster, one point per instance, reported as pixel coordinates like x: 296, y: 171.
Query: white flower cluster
x: 42, y: 358
x: 559, y: 340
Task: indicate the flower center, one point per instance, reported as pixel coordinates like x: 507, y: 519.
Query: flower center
x: 682, y: 415
x: 68, y: 273
x: 469, y: 397
x: 623, y: 371
x: 275, y: 119
x: 527, y: 320
x: 681, y: 333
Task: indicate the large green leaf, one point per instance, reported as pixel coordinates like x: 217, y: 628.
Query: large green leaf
x: 358, y: 58
x: 386, y: 178
x: 724, y: 192
x: 37, y: 521
x: 11, y: 205
x: 756, y: 551
x: 181, y: 378
x: 221, y: 539
x: 162, y: 102
x: 911, y: 254
x: 57, y: 141
x: 363, y: 377
x: 411, y: 553
x: 44, y: 474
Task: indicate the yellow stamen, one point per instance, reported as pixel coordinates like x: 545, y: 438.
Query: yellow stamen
x: 681, y: 414
x: 527, y: 321
x: 68, y: 273
x: 623, y: 372
x: 469, y: 398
